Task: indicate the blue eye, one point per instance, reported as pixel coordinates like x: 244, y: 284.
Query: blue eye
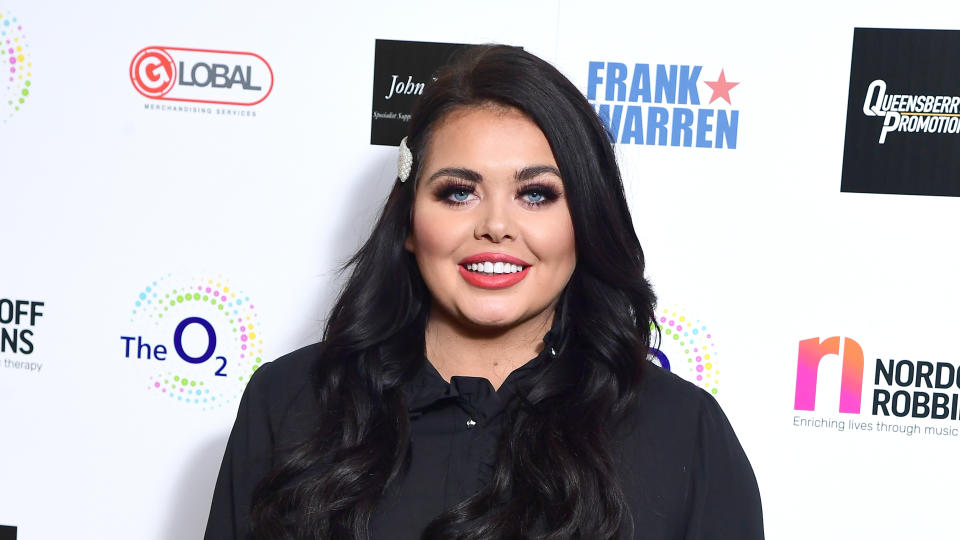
x: 535, y: 197
x: 539, y: 195
x: 455, y: 194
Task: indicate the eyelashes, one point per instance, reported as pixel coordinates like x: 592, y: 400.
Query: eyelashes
x: 539, y: 194
x: 456, y: 193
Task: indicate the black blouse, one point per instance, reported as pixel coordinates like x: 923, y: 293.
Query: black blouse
x: 680, y: 464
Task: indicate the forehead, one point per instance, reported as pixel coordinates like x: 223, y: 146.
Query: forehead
x: 490, y: 136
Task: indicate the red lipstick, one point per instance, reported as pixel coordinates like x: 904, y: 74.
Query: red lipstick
x: 493, y: 281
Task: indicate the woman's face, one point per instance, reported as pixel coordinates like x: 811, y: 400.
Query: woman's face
x: 492, y: 232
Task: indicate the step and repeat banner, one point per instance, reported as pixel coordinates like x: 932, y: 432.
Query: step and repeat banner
x: 180, y: 182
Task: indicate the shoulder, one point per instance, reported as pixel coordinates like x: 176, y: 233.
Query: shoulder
x: 281, y: 392
x: 666, y: 419
x: 660, y: 385
x: 274, y: 412
x: 288, y: 374
x: 677, y: 414
x: 679, y: 410
x: 667, y: 402
x: 681, y: 462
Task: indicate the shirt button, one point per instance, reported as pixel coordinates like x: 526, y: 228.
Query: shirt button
x: 470, y: 423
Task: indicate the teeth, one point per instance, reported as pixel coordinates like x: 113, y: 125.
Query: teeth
x: 490, y: 267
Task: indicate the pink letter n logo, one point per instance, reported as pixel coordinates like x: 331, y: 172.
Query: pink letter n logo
x: 851, y: 379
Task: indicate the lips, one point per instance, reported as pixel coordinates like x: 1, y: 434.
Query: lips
x: 493, y: 270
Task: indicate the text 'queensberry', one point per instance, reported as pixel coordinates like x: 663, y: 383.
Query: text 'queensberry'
x: 674, y: 116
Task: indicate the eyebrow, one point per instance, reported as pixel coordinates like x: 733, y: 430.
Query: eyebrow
x: 457, y: 172
x: 527, y: 173
x: 470, y: 175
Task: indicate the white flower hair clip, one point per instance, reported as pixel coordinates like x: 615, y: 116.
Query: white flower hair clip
x: 404, y: 161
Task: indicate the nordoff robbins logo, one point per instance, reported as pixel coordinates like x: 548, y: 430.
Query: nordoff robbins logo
x: 910, y: 113
x: 201, y: 75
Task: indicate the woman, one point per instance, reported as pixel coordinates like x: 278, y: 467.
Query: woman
x: 483, y: 373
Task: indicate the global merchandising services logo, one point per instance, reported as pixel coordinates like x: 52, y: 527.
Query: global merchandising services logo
x: 660, y: 104
x: 201, y: 76
x: 903, y: 113
x: 401, y: 69
x: 18, y: 337
x: 686, y: 348
x: 921, y: 391
x: 193, y: 341
x: 19, y: 64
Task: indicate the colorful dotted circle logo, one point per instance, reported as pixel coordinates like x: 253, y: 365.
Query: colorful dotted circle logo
x: 153, y: 72
x: 687, y: 348
x: 17, y: 65
x: 195, y: 341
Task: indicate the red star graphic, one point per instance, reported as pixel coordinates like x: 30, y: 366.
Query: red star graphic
x: 721, y: 88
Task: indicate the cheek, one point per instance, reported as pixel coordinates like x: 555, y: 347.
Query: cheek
x: 552, y: 240
x: 435, y: 234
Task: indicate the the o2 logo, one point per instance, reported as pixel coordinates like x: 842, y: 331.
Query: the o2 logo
x: 196, y: 341
x: 153, y: 72
x: 211, y: 343
x: 691, y: 346
x: 142, y: 349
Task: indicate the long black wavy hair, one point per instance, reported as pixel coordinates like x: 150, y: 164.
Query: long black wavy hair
x: 554, y: 475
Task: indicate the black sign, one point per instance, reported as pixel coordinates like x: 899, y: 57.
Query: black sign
x: 903, y: 113
x: 400, y: 71
x: 8, y: 532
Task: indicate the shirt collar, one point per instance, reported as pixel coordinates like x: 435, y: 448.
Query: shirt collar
x: 428, y: 387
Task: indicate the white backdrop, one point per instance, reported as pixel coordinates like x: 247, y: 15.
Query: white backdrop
x: 101, y: 197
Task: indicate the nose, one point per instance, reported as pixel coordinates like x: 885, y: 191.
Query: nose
x: 495, y: 223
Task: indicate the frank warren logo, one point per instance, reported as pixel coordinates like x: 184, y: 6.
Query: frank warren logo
x: 201, y: 76
x: 912, y: 390
x: 659, y: 104
x: 194, y: 342
x: 401, y: 69
x: 903, y: 113
x: 687, y: 348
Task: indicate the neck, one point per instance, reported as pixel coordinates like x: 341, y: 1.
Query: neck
x: 457, y: 349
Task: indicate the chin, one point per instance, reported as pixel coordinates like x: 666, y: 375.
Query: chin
x: 495, y: 317
x: 491, y: 320
x: 491, y: 316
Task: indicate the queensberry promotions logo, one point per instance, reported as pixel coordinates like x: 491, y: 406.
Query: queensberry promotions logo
x: 18, y: 66
x: 201, y: 75
x: 914, y: 389
x: 686, y: 348
x: 661, y: 104
x: 195, y: 341
x: 903, y: 113
x: 911, y: 113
